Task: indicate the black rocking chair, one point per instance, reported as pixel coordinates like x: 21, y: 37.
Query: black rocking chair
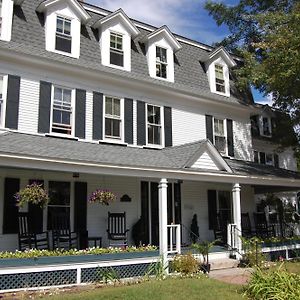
x: 116, y: 230
x: 246, y: 225
x: 263, y: 230
x: 220, y: 229
x: 29, y: 239
x: 62, y: 236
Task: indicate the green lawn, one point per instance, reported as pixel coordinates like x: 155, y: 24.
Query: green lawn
x: 170, y: 289
x: 290, y: 266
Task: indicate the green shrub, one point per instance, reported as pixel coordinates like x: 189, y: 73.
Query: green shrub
x: 278, y: 285
x: 253, y: 255
x: 185, y: 264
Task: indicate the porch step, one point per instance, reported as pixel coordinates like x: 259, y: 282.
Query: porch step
x: 224, y: 263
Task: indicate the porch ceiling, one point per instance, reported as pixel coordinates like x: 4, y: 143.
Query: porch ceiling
x: 48, y: 153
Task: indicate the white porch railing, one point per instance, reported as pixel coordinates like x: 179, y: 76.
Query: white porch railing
x: 232, y: 236
x: 174, y: 239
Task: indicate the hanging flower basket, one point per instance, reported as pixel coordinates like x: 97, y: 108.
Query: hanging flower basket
x: 33, y: 193
x: 104, y: 197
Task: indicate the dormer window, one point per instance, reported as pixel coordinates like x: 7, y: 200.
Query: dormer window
x: 116, y: 49
x: 161, y: 62
x: 63, y: 40
x: 220, y: 79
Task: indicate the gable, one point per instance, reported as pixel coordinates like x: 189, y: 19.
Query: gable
x: 205, y: 161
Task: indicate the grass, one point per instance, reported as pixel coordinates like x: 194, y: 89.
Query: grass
x: 289, y: 266
x: 169, y: 289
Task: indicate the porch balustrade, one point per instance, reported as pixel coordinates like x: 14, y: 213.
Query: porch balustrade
x: 174, y: 241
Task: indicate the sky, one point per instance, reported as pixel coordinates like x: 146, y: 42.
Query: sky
x: 184, y: 17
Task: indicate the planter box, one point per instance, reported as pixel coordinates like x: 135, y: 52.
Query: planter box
x: 73, y: 259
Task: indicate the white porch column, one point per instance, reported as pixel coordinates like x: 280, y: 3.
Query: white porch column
x: 163, y: 219
x: 236, y: 199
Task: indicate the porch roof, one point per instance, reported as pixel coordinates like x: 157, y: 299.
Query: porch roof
x: 170, y: 162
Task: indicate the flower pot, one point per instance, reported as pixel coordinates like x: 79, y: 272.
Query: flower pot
x: 205, y: 268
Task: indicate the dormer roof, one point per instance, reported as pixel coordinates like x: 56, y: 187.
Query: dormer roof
x: 222, y: 52
x: 82, y: 13
x: 119, y: 14
x: 164, y: 30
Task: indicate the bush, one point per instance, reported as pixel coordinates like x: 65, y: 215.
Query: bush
x: 185, y: 264
x: 278, y: 285
x: 253, y: 255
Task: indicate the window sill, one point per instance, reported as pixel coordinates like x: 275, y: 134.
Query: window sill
x: 155, y: 147
x: 163, y: 79
x: 118, y: 67
x: 62, y: 136
x: 112, y: 142
x: 221, y: 94
x: 63, y: 53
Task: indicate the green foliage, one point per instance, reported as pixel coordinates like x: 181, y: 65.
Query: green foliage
x: 157, y: 269
x: 203, y: 248
x: 276, y: 285
x: 185, y: 264
x: 108, y: 275
x: 266, y: 34
x: 253, y: 255
x: 34, y: 253
x: 33, y: 193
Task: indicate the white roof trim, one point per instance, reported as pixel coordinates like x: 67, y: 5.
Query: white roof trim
x: 208, y: 147
x: 166, y: 32
x: 84, y: 16
x: 120, y: 14
x: 224, y: 53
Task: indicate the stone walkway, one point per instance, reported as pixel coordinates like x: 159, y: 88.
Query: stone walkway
x: 235, y: 275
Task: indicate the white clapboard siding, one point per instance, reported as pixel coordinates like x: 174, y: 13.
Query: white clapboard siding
x: 242, y: 140
x: 205, y: 162
x: 287, y: 160
x: 89, y: 116
x: 29, y: 105
x: 187, y: 127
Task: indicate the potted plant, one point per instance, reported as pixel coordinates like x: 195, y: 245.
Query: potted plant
x: 33, y: 193
x: 105, y: 197
x: 203, y: 248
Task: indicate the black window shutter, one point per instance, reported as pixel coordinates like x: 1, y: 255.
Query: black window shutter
x: 209, y: 128
x: 80, y: 113
x: 80, y: 212
x: 128, y: 112
x: 141, y: 123
x: 35, y: 212
x: 230, y: 143
x: 10, y: 217
x: 170, y: 204
x: 44, y: 107
x: 145, y: 212
x: 12, y: 102
x: 276, y: 160
x: 177, y: 202
x: 168, y: 126
x: 212, y: 208
x: 97, y: 115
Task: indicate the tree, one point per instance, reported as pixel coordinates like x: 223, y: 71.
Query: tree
x: 266, y: 33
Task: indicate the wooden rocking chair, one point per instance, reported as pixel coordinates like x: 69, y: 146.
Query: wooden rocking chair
x: 116, y: 230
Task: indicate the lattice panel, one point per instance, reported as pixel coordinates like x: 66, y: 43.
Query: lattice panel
x: 37, y: 279
x: 115, y: 272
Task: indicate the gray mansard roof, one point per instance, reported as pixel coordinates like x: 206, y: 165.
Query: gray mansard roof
x: 28, y: 38
x: 175, y: 158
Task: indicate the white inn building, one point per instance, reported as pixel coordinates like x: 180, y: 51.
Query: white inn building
x: 92, y: 99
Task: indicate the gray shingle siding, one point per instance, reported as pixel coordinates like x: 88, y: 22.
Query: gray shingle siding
x: 28, y: 37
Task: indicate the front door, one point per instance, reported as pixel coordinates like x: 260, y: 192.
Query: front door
x: 149, y: 205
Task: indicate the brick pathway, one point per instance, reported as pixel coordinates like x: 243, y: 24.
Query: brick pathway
x: 235, y: 276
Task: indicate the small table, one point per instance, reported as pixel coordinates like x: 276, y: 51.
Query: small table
x: 96, y: 240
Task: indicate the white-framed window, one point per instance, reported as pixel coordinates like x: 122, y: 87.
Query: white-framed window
x: 266, y: 158
x: 1, y: 101
x: 161, y: 62
x: 266, y: 127
x: 62, y: 110
x: 113, y: 118
x: 220, y: 137
x: 269, y: 159
x: 154, y: 125
x: 116, y: 49
x: 220, y: 78
x: 63, y: 38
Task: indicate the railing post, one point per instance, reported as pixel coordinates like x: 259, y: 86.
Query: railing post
x: 236, y: 198
x: 178, y: 239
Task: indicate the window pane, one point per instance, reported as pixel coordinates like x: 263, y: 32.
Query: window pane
x: 56, y: 116
x: 59, y: 193
x: 256, y: 159
x: 67, y: 29
x: 116, y: 128
x: 220, y: 143
x: 150, y: 134
x: 108, y: 106
x: 1, y: 87
x: 116, y: 58
x: 156, y: 135
x: 66, y: 118
x: 59, y: 25
x: 262, y: 157
x: 108, y: 127
x: 269, y: 159
x: 116, y: 107
x: 57, y: 93
x: 67, y: 96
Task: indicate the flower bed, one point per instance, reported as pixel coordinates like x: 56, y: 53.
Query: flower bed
x: 42, y: 257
